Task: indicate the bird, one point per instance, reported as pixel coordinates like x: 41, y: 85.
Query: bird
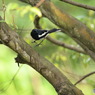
x: 38, y: 34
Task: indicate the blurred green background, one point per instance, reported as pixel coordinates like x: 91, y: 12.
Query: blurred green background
x: 24, y: 80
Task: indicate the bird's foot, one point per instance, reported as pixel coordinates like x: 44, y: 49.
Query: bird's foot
x: 34, y: 41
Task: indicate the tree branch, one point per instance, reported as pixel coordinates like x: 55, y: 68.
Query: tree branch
x: 79, y: 4
x: 87, y: 75
x: 27, y: 55
x: 40, y: 3
x: 56, y: 42
x: 71, y: 26
x: 71, y: 47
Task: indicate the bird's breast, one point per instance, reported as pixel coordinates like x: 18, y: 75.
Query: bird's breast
x: 34, y: 35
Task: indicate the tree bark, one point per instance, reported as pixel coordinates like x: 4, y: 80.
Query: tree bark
x: 71, y: 26
x: 27, y: 55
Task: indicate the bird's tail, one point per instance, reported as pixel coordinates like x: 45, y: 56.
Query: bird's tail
x: 54, y: 30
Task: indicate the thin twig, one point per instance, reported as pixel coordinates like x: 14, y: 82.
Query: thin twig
x: 4, y: 8
x: 3, y: 89
x: 79, y: 4
x: 87, y: 75
x: 71, y: 47
x: 56, y: 42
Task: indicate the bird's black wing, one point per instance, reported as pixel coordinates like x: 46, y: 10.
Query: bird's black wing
x: 39, y: 31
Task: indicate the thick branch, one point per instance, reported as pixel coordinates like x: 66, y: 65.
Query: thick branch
x: 27, y: 55
x: 79, y: 4
x: 72, y: 27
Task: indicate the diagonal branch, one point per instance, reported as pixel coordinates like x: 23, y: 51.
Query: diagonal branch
x: 87, y: 75
x: 79, y: 4
x: 71, y: 47
x: 78, y: 31
x: 29, y: 56
x: 73, y: 27
x: 56, y: 42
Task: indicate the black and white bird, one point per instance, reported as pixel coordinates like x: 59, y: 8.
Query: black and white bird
x: 38, y: 34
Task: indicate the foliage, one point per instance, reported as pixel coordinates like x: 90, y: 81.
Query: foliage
x: 27, y: 81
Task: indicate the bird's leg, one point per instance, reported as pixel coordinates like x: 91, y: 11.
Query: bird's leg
x: 40, y: 42
x: 34, y: 41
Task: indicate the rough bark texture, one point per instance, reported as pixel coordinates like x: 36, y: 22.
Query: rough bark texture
x: 74, y: 28
x: 27, y: 55
x: 71, y: 26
